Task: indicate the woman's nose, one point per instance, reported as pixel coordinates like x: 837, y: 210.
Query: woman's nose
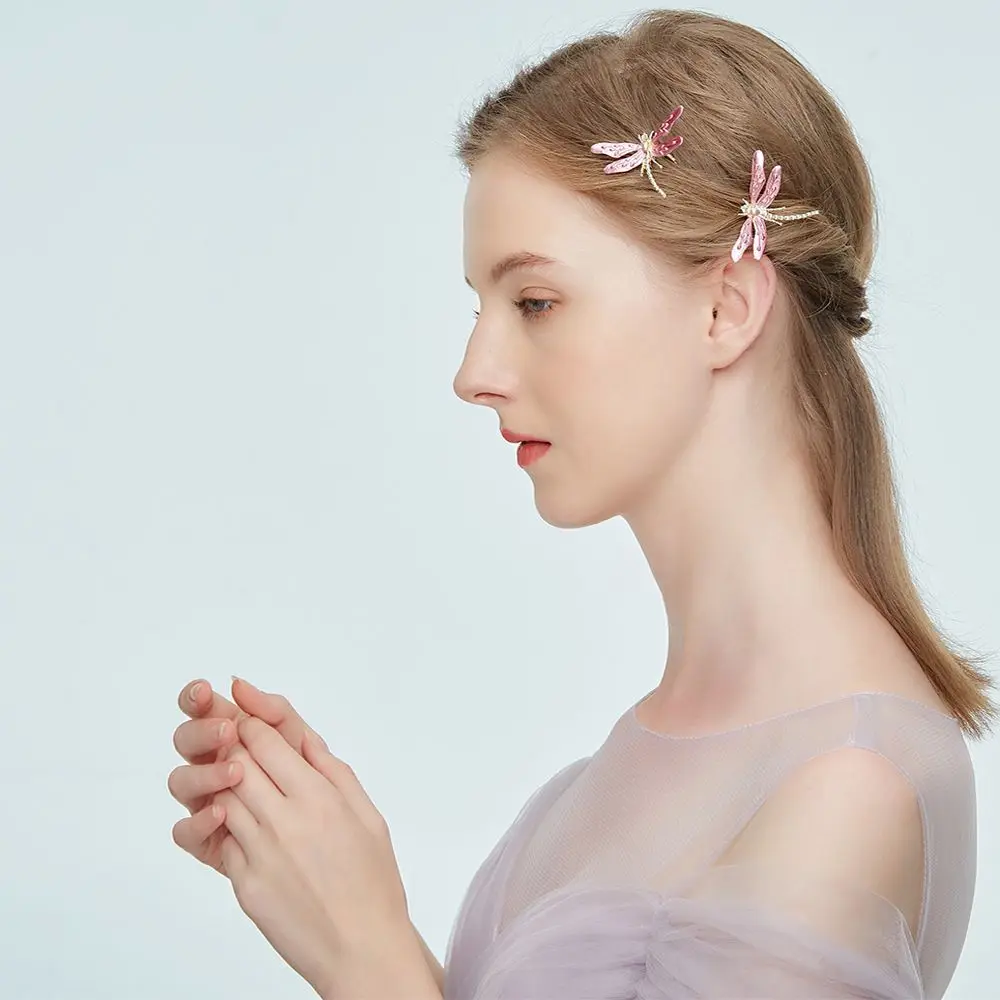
x: 473, y: 388
x: 481, y: 378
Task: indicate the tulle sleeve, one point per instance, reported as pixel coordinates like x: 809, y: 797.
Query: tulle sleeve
x: 746, y: 932
x: 817, y: 896
x: 749, y: 933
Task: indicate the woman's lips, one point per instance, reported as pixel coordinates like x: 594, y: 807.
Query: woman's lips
x: 531, y: 451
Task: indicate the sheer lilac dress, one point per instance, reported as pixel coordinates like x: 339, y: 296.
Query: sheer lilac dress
x: 585, y: 896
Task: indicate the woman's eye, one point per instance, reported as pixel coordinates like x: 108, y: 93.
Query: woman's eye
x: 523, y: 307
x: 526, y: 308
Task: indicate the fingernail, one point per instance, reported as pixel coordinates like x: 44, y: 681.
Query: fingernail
x: 194, y: 692
x: 243, y: 680
x: 221, y: 731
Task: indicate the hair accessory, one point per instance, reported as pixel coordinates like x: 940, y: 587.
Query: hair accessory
x: 757, y: 209
x: 650, y: 145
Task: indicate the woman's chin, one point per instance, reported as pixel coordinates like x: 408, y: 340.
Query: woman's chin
x: 564, y: 512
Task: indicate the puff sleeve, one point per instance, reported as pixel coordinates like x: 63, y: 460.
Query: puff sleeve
x: 746, y: 934
x: 819, y: 895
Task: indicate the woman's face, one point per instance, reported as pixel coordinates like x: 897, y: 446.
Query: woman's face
x: 605, y: 353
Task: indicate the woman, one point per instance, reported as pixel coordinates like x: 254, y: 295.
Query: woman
x: 670, y: 322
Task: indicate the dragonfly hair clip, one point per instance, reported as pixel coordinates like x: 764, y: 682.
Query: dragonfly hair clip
x: 757, y: 209
x: 645, y: 151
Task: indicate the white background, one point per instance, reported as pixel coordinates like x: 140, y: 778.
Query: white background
x: 231, y: 307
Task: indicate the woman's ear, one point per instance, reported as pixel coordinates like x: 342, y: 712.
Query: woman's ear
x: 745, y: 294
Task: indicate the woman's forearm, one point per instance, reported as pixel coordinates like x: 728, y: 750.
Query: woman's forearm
x: 397, y: 969
x: 437, y: 971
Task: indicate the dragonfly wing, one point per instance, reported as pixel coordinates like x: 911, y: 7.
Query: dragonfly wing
x: 759, y: 236
x: 771, y: 191
x: 620, y: 166
x: 666, y: 125
x: 615, y: 149
x: 756, y: 175
x: 663, y: 148
x: 742, y: 241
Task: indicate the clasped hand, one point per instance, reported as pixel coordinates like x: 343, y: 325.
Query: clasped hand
x: 309, y: 856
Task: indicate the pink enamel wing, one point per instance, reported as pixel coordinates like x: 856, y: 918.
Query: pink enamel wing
x: 757, y: 209
x: 649, y: 146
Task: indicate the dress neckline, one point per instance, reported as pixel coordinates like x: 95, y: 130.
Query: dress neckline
x: 760, y: 723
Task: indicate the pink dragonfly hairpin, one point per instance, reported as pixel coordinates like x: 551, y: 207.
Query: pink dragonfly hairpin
x: 649, y: 146
x: 757, y: 209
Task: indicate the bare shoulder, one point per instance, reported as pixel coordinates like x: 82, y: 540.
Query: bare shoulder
x: 900, y: 673
x: 874, y: 657
x: 847, y: 816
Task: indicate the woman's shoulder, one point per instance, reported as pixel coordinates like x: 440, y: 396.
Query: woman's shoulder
x: 909, y: 682
x: 907, y: 720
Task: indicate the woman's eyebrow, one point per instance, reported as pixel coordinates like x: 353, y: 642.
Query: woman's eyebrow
x: 516, y: 261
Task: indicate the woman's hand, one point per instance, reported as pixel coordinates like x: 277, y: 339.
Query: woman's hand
x: 204, y: 742
x: 312, y: 864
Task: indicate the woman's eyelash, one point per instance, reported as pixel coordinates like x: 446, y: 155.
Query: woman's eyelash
x: 529, y: 314
x: 532, y: 314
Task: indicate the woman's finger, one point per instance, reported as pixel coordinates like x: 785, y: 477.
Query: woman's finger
x: 197, y: 699
x: 198, y: 741
x: 276, y: 711
x: 234, y: 861
x: 192, y: 784
x: 284, y: 768
x: 240, y: 822
x: 191, y: 833
x: 255, y: 789
x: 343, y: 777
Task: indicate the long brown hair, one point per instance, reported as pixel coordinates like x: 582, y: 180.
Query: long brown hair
x: 743, y: 91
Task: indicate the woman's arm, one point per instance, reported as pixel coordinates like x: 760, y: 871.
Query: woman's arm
x: 437, y: 971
